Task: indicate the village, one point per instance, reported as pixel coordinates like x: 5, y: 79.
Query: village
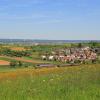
x: 73, y: 55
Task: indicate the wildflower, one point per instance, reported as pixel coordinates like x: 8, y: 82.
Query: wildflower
x: 32, y: 80
x: 44, y: 80
x: 58, y: 78
x: 51, y: 79
x: 8, y: 81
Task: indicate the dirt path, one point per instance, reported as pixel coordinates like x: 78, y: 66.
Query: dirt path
x: 22, y: 59
x: 3, y: 62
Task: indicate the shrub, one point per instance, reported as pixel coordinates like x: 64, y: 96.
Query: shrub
x: 13, y: 64
x: 20, y: 63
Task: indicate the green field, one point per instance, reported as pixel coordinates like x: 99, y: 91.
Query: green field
x: 70, y: 83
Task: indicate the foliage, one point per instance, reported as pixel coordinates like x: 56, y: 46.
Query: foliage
x: 13, y: 63
x: 48, y: 48
x: 79, y: 45
x: 12, y: 53
x: 94, y: 44
x: 20, y: 63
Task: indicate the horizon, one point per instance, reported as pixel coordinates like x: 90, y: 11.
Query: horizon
x: 50, y: 20
x: 45, y: 39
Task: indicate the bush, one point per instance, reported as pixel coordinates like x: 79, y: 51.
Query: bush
x: 20, y: 64
x: 79, y: 45
x: 13, y: 64
x: 16, y: 63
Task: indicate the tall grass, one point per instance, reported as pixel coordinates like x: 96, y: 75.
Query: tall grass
x: 73, y: 83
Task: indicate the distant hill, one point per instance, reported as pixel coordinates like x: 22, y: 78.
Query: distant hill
x: 29, y: 41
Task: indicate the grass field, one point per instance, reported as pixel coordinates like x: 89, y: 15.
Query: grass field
x: 70, y: 83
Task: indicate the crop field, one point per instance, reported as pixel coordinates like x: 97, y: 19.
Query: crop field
x: 18, y: 48
x: 3, y: 62
x: 65, y: 83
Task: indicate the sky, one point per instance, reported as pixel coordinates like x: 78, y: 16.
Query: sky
x: 50, y: 19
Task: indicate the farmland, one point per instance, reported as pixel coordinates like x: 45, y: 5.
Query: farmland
x: 3, y: 62
x: 21, y: 77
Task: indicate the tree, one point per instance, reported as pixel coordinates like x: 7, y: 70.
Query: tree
x: 79, y: 45
x: 13, y: 63
x: 93, y: 44
x: 20, y: 63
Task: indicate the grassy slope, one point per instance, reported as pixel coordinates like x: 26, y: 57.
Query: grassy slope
x: 73, y: 83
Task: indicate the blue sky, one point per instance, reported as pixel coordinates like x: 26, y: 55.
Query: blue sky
x: 50, y: 19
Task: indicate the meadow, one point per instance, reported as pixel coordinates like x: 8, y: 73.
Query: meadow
x: 64, y: 83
